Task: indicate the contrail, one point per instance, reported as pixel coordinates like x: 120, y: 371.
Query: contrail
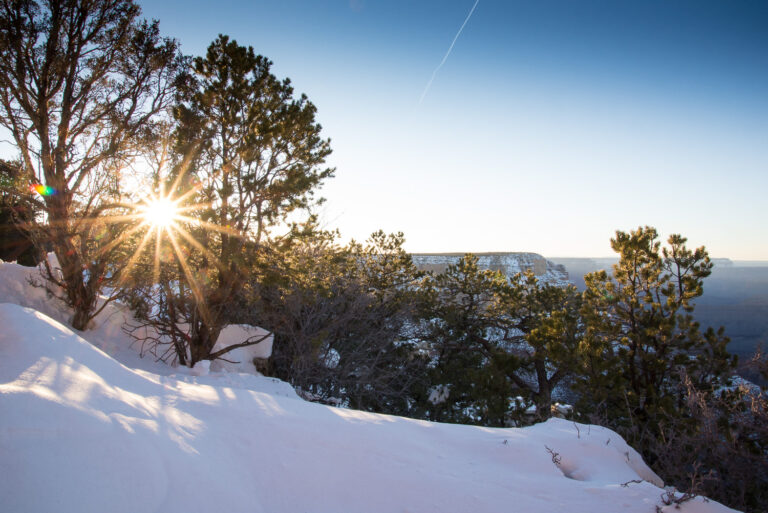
x: 448, y: 52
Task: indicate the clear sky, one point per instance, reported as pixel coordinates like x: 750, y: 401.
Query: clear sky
x: 549, y: 125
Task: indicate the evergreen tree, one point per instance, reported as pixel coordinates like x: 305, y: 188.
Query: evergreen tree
x: 549, y: 327
x: 641, y: 338
x: 494, y: 339
x: 341, y: 317
x: 249, y: 153
x: 17, y: 216
x: 466, y: 327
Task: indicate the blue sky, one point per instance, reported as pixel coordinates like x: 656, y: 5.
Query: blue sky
x: 550, y: 125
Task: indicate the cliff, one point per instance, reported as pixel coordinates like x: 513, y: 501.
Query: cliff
x: 508, y: 263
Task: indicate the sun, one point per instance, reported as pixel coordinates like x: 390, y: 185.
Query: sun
x: 164, y: 219
x: 160, y: 212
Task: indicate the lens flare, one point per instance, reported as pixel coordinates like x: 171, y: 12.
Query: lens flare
x: 42, y: 190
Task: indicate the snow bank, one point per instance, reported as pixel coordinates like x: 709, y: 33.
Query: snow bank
x: 23, y: 286
x: 81, y: 432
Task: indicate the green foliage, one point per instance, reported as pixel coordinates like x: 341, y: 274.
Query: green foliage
x: 548, y: 319
x: 463, y: 327
x: 17, y: 215
x: 641, y: 338
x: 251, y: 148
x: 493, y: 339
x: 340, y: 315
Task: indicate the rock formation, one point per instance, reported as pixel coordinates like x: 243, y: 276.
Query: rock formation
x: 508, y: 263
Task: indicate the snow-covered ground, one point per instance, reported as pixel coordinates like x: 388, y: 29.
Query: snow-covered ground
x: 88, y: 426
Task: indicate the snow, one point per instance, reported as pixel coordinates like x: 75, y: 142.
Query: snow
x: 88, y: 426
x: 439, y: 394
x: 241, y: 359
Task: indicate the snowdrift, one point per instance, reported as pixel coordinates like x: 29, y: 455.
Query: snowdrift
x: 81, y: 432
x: 23, y: 286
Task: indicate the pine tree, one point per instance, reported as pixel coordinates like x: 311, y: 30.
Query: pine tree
x: 641, y: 339
x: 465, y: 328
x: 249, y: 154
x: 549, y: 324
x: 493, y: 339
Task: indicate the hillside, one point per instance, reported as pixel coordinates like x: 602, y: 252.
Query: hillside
x: 83, y: 432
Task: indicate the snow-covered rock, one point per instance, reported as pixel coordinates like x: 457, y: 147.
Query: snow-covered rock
x: 242, y: 358
x: 24, y: 286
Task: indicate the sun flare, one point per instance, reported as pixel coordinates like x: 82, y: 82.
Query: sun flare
x: 161, y: 212
x: 161, y: 221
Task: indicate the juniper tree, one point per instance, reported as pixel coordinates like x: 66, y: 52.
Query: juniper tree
x: 465, y: 329
x: 493, y: 339
x: 81, y: 82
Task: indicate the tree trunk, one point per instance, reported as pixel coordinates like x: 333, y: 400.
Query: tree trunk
x: 544, y: 396
x: 202, y: 340
x: 78, y: 293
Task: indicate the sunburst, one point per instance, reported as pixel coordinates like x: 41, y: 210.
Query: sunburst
x: 166, y: 219
x: 162, y: 216
x: 160, y: 212
x: 161, y: 225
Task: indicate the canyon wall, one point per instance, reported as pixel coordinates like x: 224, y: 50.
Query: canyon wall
x: 508, y: 263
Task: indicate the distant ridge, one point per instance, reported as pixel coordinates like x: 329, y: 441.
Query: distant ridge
x: 508, y: 263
